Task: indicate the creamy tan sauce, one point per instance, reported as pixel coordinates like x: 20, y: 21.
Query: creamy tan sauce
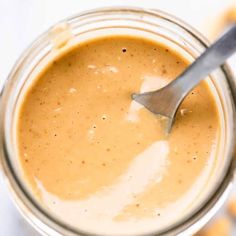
x: 92, y: 154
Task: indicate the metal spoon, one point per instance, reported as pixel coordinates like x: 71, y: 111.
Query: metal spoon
x: 167, y: 100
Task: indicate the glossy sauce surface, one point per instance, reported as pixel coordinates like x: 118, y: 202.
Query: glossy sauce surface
x: 91, y: 153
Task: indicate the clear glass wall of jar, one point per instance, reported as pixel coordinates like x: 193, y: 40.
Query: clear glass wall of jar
x: 151, y: 24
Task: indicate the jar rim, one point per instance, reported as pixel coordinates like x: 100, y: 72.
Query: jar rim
x: 42, y: 42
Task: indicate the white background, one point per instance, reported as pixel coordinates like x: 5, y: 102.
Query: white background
x: 23, y: 20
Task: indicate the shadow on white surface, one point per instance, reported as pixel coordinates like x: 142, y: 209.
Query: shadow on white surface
x: 13, y: 223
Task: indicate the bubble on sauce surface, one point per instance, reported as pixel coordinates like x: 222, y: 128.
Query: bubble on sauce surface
x: 90, y: 134
x: 104, y: 117
x: 58, y: 109
x: 92, y: 67
x: 72, y: 90
x: 106, y: 69
x: 184, y: 111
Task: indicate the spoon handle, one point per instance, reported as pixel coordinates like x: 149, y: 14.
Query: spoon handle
x: 212, y: 58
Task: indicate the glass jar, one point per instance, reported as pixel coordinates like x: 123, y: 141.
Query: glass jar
x: 151, y: 24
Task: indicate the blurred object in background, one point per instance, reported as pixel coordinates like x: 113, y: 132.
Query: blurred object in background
x: 232, y: 207
x: 222, y: 226
x: 220, y: 22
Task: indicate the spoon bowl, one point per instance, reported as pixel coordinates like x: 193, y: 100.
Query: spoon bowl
x: 166, y: 101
